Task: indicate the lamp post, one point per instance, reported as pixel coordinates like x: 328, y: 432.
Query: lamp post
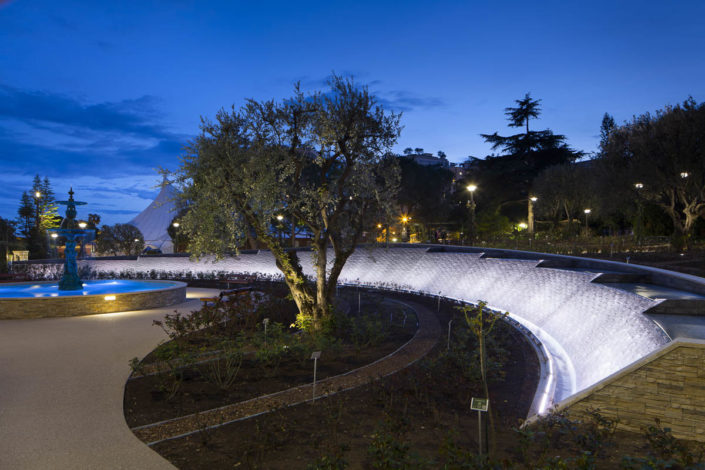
x: 471, y: 205
x: 404, y: 231
x: 530, y: 218
x: 81, y: 250
x: 587, y: 212
x: 279, y: 227
x: 37, y: 203
x: 175, y: 240
x: 54, y: 236
x: 639, y: 226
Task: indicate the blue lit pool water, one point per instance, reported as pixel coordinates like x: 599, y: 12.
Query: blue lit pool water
x: 30, y: 290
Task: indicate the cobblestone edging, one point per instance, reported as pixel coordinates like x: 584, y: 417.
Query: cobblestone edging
x: 424, y: 340
x: 668, y: 384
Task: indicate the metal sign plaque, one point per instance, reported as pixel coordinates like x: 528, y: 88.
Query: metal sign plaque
x: 316, y: 355
x: 479, y: 404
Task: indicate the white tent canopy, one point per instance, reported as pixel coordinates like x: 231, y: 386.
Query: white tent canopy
x: 156, y: 218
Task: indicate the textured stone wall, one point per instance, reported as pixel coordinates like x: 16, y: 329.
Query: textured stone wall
x: 85, y: 305
x: 668, y: 384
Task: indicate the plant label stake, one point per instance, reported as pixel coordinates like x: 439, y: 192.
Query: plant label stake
x: 315, y: 355
x: 449, y: 325
x: 265, y: 322
x: 479, y: 404
x: 358, y: 295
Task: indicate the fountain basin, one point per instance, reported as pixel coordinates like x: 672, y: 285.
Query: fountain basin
x: 44, y: 299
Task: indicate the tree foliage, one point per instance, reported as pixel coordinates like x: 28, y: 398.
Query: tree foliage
x: 26, y: 215
x: 564, y: 191
x: 665, y: 154
x: 7, y: 240
x: 425, y: 191
x: 47, y: 211
x: 321, y: 159
x: 507, y: 179
x: 120, y: 239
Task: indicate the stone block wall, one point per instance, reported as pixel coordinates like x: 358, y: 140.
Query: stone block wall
x: 668, y: 384
x: 43, y: 307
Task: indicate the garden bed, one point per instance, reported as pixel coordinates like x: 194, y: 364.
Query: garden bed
x: 420, y: 417
x: 191, y: 373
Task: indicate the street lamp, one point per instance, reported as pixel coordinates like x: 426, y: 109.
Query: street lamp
x: 684, y: 174
x: 404, y: 230
x: 587, y: 212
x: 37, y: 202
x: 530, y: 218
x: 471, y: 205
x: 176, y: 224
x: 279, y: 218
x: 639, y: 225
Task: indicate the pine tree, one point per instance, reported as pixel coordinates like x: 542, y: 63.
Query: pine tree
x: 26, y: 215
x: 47, y: 211
x: 530, y: 145
x: 606, y: 128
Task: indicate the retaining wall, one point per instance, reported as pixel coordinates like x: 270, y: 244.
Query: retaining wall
x: 668, y: 384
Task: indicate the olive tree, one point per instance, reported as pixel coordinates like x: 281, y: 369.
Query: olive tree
x: 320, y: 159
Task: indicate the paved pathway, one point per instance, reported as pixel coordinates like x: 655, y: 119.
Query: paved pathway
x: 61, y: 389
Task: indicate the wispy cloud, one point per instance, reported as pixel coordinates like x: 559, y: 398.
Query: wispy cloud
x: 400, y: 100
x: 108, y: 152
x: 135, y: 116
x: 396, y: 100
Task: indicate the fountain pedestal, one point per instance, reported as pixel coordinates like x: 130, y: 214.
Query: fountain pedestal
x: 71, y: 232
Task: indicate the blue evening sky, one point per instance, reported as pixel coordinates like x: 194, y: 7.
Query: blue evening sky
x: 99, y: 94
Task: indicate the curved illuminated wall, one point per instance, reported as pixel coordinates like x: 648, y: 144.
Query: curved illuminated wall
x: 589, y: 329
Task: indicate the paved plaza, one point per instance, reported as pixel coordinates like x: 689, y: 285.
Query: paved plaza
x: 61, y: 389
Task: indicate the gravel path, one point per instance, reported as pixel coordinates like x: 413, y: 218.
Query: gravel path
x: 425, y: 338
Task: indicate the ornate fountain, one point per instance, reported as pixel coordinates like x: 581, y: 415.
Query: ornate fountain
x: 71, y: 231
x: 39, y: 299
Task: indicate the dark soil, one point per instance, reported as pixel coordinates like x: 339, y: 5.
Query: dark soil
x: 144, y: 403
x: 425, y: 405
